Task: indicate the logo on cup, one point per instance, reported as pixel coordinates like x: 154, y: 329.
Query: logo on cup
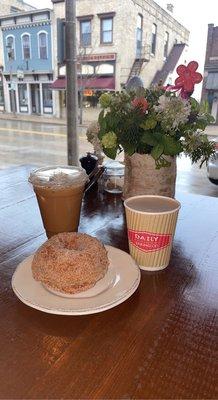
x: 147, y: 241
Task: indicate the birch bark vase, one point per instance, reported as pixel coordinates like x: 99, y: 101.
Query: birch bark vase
x: 142, y: 177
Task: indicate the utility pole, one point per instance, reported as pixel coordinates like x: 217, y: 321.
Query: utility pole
x: 72, y: 90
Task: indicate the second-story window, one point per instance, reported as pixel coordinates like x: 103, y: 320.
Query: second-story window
x: 106, y: 30
x: 26, y: 46
x: 153, y: 39
x: 139, y: 36
x: 85, y: 33
x: 43, y: 47
x: 166, y: 44
x: 10, y: 46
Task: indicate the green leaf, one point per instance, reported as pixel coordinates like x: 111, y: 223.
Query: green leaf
x: 149, y: 138
x: 101, y: 117
x: 111, y: 153
x: 157, y: 151
x: 129, y: 148
x: 171, y: 146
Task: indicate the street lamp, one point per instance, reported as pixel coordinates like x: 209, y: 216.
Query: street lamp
x: 10, y: 58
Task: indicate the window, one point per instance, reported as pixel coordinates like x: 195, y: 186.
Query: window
x: 139, y: 36
x: 85, y: 33
x: 42, y: 45
x: 153, y: 39
x: 106, y: 30
x: 166, y: 44
x: 25, y: 38
x: 10, y: 46
x: 47, y: 98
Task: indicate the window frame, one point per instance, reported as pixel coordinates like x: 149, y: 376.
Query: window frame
x: 38, y: 36
x: 81, y: 21
x: 104, y: 18
x: 154, y: 42
x: 30, y: 49
x: 14, y: 47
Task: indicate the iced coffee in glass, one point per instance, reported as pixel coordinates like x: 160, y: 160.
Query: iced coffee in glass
x: 59, y: 191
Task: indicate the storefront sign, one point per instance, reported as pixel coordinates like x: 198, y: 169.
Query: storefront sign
x: 97, y: 57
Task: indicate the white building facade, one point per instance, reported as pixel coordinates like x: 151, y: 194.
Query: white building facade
x: 117, y: 40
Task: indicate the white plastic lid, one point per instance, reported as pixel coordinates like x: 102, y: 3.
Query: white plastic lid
x: 114, y: 167
x: 57, y: 177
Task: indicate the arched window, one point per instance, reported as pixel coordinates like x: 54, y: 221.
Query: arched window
x: 153, y: 38
x: 43, y: 45
x: 25, y: 40
x: 10, y: 46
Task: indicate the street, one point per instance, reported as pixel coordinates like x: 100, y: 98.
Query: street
x: 45, y: 144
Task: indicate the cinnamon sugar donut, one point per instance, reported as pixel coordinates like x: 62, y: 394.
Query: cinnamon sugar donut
x: 70, y: 262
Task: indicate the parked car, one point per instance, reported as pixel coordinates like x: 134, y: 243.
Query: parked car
x: 212, y: 168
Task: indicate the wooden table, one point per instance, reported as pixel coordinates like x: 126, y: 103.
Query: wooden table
x: 159, y: 344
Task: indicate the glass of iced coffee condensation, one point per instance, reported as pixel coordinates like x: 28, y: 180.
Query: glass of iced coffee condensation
x: 59, y: 191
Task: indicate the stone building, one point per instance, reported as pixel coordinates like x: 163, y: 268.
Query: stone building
x: 210, y: 83
x: 116, y: 40
x: 27, y: 62
x: 12, y: 6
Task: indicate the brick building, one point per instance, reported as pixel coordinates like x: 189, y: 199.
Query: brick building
x: 210, y: 83
x: 116, y: 40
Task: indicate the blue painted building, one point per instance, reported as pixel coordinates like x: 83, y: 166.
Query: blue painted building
x: 27, y: 62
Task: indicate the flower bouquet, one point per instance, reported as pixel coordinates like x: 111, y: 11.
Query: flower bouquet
x: 159, y: 123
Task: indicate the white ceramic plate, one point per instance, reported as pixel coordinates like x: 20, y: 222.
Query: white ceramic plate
x: 120, y: 282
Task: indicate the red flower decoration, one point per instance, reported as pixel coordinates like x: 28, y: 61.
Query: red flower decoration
x: 188, y: 76
x: 141, y: 103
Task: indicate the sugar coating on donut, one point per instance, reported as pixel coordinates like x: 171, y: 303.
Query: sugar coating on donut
x: 70, y: 262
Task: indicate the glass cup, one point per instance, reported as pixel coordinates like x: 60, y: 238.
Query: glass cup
x: 59, y: 191
x: 151, y: 224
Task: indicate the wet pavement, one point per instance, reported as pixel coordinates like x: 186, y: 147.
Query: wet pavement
x: 46, y: 144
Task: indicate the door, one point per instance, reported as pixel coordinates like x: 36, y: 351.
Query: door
x: 35, y: 98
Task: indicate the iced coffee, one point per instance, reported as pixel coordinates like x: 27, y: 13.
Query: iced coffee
x: 59, y: 191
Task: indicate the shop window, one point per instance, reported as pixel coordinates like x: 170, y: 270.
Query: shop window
x: 25, y: 38
x: 23, y: 98
x: 106, y: 30
x: 153, y: 39
x: 166, y: 44
x: 43, y: 45
x: 104, y: 69
x: 47, y: 98
x: 85, y: 33
x: 87, y: 69
x: 10, y: 46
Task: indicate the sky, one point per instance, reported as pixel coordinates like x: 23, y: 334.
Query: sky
x: 195, y: 15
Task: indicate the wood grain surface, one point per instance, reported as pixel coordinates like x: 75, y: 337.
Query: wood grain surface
x: 159, y: 344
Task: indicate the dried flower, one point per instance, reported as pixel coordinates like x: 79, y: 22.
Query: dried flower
x: 140, y: 103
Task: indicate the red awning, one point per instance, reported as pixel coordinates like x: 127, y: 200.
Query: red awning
x: 105, y: 83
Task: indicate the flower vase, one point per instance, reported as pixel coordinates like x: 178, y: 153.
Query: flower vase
x: 143, y: 178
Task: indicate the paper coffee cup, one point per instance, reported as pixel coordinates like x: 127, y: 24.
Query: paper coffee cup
x: 151, y: 224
